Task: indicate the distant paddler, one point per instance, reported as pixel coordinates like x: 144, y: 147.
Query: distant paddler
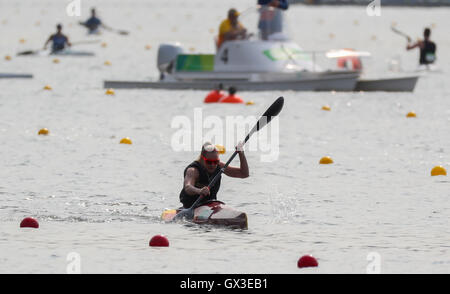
x: 426, y: 46
x: 59, y: 40
x: 93, y: 24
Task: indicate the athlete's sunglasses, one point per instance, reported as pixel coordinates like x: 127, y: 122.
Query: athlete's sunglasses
x: 211, y: 161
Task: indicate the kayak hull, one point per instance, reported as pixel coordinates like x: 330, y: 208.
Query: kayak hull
x: 213, y: 213
x: 15, y: 76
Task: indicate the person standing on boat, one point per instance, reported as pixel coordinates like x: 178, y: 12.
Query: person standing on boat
x: 231, y: 29
x: 427, y: 48
x: 270, y: 18
x: 59, y: 40
x: 93, y: 23
x: 199, y: 174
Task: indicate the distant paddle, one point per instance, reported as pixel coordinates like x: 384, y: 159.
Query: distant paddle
x: 401, y: 33
x: 270, y: 113
x: 120, y: 32
x: 34, y: 52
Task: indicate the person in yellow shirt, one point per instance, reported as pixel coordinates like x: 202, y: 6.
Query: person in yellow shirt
x: 231, y: 28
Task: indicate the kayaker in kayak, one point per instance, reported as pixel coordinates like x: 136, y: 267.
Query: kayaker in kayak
x: 199, y: 173
x: 427, y: 48
x: 93, y: 23
x: 59, y: 40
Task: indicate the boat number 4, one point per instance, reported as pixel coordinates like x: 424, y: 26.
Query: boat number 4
x: 224, y: 56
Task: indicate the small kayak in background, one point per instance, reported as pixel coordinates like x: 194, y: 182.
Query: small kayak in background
x: 69, y: 52
x: 213, y: 213
x: 15, y: 76
x: 65, y: 52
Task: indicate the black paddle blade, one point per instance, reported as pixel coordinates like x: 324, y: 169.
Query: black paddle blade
x: 29, y: 52
x: 271, y: 112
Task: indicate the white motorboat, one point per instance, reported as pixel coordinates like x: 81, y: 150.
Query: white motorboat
x: 249, y: 64
x: 268, y: 61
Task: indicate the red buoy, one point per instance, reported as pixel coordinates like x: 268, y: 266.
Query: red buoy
x: 307, y: 261
x: 29, y: 222
x: 214, y: 96
x: 159, y: 241
x: 231, y: 99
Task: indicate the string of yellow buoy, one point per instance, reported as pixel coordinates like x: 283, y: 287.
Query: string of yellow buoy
x: 438, y: 171
x: 43, y: 131
x: 326, y: 160
x: 411, y: 114
x: 110, y: 92
x: 126, y: 140
x: 326, y: 108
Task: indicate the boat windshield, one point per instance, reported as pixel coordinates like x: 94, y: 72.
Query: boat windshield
x: 265, y: 23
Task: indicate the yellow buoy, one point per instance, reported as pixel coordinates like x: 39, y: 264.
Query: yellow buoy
x: 22, y: 40
x: 47, y: 87
x: 43, y: 131
x: 250, y: 102
x: 104, y: 44
x: 56, y: 60
x: 356, y: 22
x: 326, y: 160
x: 411, y: 114
x: 107, y: 62
x: 7, y: 57
x: 125, y: 141
x: 438, y: 171
x: 326, y: 107
x: 220, y: 149
x: 148, y: 47
x: 110, y: 92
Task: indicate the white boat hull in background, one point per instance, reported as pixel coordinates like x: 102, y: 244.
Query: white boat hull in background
x: 323, y: 82
x: 400, y: 84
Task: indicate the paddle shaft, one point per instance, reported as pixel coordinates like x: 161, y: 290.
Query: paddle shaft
x: 400, y: 33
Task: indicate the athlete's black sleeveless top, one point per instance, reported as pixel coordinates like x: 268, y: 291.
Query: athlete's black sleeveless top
x: 427, y: 53
x: 203, y: 180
